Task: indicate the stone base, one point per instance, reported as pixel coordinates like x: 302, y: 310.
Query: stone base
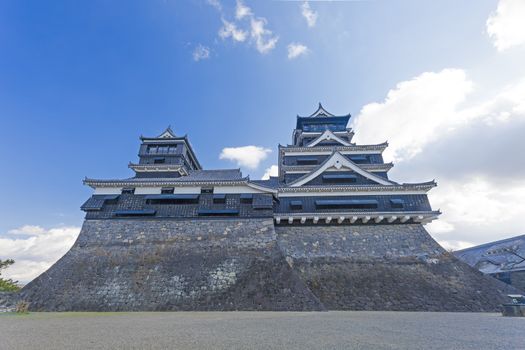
x: 234, y: 264
x: 386, y: 267
x: 126, y: 265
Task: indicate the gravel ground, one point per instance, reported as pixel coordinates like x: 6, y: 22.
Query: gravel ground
x: 261, y: 330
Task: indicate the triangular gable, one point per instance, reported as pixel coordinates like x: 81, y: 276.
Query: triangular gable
x: 167, y: 134
x: 328, y: 136
x: 321, y: 112
x: 338, y: 161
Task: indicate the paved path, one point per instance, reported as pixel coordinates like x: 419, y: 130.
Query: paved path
x: 261, y: 330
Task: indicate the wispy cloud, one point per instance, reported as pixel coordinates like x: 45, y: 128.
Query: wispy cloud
x: 247, y: 25
x: 230, y: 30
x: 245, y: 156
x: 506, y: 27
x: 215, y: 3
x: 241, y: 10
x: 296, y: 49
x: 264, y: 39
x: 201, y: 52
x: 309, y: 14
x: 35, y: 249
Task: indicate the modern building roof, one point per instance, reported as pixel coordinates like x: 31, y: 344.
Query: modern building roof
x: 505, y: 255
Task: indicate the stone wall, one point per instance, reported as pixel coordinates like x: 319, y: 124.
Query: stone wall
x: 172, y: 265
x: 8, y: 301
x: 248, y: 264
x: 385, y: 267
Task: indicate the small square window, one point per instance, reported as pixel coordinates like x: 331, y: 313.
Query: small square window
x: 206, y: 190
x: 159, y: 161
x: 219, y: 199
x: 296, y: 205
x: 246, y: 198
x: 167, y: 190
x: 128, y: 190
x: 397, y: 203
x: 307, y: 161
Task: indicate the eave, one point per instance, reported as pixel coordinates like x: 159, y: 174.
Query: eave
x: 355, y: 149
x: 350, y: 217
x: 158, y: 168
x: 95, y: 183
x: 424, y: 187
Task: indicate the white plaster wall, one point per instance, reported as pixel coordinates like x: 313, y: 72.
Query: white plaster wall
x: 147, y: 190
x: 235, y: 189
x: 108, y: 190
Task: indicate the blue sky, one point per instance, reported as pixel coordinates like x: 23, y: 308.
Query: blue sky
x: 81, y: 81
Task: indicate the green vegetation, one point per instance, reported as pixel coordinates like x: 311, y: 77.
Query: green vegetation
x: 22, y: 307
x: 7, y: 285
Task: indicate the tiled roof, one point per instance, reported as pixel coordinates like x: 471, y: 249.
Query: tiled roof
x: 194, y: 176
x: 210, y: 175
x: 205, y: 175
x: 272, y: 182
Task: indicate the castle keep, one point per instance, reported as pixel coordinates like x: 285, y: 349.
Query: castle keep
x: 331, y: 231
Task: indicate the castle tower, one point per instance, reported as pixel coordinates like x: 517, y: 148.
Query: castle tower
x: 165, y: 156
x: 324, y: 177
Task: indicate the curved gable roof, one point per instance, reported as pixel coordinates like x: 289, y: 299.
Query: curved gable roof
x: 339, y: 161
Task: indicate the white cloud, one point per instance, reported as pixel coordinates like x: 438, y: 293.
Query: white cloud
x: 245, y: 156
x: 261, y: 37
x: 37, y: 251
x: 241, y: 10
x: 455, y: 244
x: 478, y: 201
x: 271, y: 171
x: 415, y: 113
x: 296, y: 49
x: 230, y: 30
x: 440, y: 226
x: 309, y: 14
x: 201, y: 53
x: 215, y: 3
x: 264, y: 39
x: 27, y: 230
x: 506, y: 27
x: 436, y: 128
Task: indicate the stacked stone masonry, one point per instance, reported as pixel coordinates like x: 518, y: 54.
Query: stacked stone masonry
x: 249, y: 264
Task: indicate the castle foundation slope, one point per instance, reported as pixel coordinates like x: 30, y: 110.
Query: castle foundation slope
x: 386, y: 267
x: 122, y: 265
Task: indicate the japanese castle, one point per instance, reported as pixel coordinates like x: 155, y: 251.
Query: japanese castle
x: 324, y: 179
x: 330, y: 232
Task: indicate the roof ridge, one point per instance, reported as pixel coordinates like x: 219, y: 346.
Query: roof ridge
x: 490, y: 243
